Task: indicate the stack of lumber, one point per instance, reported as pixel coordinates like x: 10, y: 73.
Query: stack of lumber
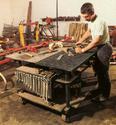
x: 76, y: 30
x: 9, y: 30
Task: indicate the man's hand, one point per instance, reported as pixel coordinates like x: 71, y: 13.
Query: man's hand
x: 79, y: 50
x: 78, y: 42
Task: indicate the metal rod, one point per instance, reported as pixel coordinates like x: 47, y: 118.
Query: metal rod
x: 67, y: 90
x: 57, y: 18
x: 67, y: 96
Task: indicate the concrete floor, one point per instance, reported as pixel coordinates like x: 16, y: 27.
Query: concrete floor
x: 12, y: 112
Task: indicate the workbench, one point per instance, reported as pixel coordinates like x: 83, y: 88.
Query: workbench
x: 71, y: 68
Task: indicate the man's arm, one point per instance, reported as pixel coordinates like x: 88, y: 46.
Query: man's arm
x: 84, y: 37
x: 91, y: 45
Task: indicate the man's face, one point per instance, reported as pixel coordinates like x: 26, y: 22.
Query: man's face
x: 87, y: 17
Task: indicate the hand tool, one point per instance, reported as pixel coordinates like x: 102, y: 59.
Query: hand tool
x: 60, y: 56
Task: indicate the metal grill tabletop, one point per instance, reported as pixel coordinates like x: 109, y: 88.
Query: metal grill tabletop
x: 66, y: 63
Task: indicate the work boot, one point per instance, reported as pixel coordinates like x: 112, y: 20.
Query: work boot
x: 103, y: 98
x: 99, y: 98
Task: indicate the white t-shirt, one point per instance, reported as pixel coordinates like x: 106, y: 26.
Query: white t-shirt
x: 99, y: 28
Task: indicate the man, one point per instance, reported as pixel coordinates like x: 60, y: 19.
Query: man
x: 98, y: 29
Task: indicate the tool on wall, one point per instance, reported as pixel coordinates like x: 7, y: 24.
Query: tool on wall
x: 65, y: 18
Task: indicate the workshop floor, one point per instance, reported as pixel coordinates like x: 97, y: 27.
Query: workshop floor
x: 12, y: 112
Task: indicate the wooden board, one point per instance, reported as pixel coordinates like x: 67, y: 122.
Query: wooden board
x: 31, y: 57
x: 57, y: 107
x: 76, y: 30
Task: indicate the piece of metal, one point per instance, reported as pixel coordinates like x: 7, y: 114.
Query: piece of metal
x: 57, y: 18
x: 67, y: 63
x: 60, y: 57
x: 38, y: 82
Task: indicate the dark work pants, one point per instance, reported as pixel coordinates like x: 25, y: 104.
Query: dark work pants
x: 101, y: 68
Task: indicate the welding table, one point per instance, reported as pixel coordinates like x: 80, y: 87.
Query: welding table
x: 67, y: 64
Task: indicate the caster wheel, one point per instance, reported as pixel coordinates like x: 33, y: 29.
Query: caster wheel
x: 23, y: 101
x: 65, y: 118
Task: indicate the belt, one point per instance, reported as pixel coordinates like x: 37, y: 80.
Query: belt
x: 101, y: 45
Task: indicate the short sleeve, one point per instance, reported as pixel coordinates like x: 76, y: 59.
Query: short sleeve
x: 99, y: 29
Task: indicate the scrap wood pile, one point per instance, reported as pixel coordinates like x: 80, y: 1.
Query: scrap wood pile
x: 10, y: 37
x: 8, y: 41
x: 9, y: 31
x: 77, y: 30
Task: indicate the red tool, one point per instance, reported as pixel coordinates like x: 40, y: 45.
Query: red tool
x: 4, y: 61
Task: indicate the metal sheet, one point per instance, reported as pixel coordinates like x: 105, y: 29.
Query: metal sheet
x: 66, y: 63
x: 23, y: 56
